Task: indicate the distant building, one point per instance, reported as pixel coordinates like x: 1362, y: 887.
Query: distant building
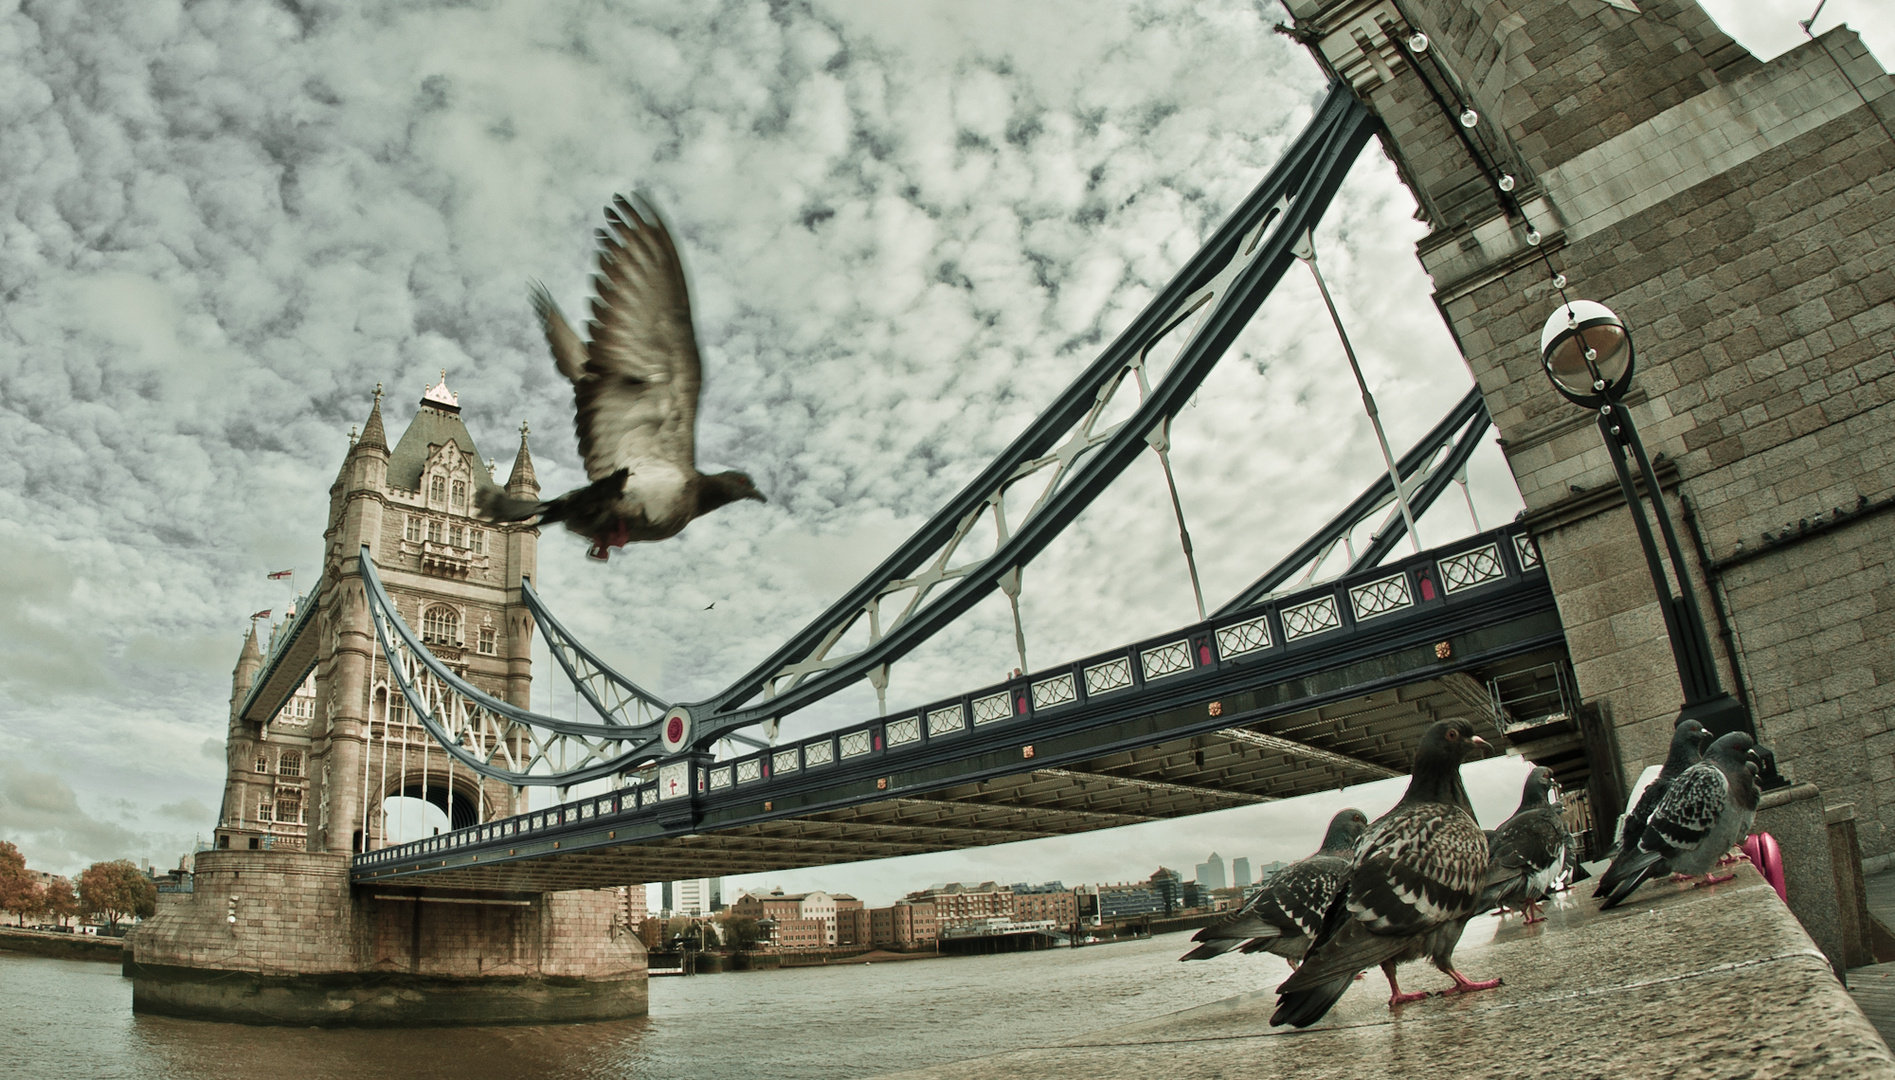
x: 802, y: 933
x: 1051, y: 901
x: 1211, y: 872
x: 850, y: 921
x: 1270, y: 870
x: 1195, y: 895
x: 1129, y: 901
x: 965, y: 905
x: 1239, y: 872
x: 697, y: 896
x: 1169, y: 886
x: 904, y: 925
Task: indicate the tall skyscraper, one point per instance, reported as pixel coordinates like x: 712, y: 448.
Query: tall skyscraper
x: 1211, y: 872
x: 1240, y: 872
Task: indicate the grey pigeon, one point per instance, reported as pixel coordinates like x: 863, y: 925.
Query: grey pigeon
x: 1415, y: 880
x: 1687, y: 747
x: 1709, y: 808
x: 635, y: 385
x: 1527, y: 854
x: 1283, y: 915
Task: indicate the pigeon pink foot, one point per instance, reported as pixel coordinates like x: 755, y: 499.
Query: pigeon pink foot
x: 1465, y: 985
x: 1396, y: 998
x: 1534, y: 914
x: 1715, y: 879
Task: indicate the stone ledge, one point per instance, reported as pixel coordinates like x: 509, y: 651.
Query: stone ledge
x: 1681, y: 982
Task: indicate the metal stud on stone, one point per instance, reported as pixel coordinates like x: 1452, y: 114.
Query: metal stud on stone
x: 1506, y: 179
x: 1417, y: 42
x: 1533, y: 238
x: 1559, y: 281
x: 1469, y: 117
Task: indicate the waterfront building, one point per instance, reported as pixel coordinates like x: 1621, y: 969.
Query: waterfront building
x: 1239, y: 872
x: 802, y: 933
x: 776, y: 905
x: 1211, y: 872
x: 906, y: 924
x: 964, y: 905
x: 696, y: 896
x: 1051, y: 901
x: 1169, y: 886
x: 850, y: 922
x: 1130, y: 901
x: 1195, y: 895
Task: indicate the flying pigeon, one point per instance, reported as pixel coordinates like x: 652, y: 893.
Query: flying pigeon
x: 636, y: 387
x: 1687, y: 746
x: 1527, y: 854
x: 1415, y: 880
x: 1282, y: 916
x: 1709, y: 808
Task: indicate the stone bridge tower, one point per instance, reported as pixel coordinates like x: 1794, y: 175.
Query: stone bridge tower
x: 1739, y: 215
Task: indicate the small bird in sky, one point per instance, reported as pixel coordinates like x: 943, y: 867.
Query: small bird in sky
x: 710, y: 605
x: 1687, y: 747
x: 1528, y: 853
x: 1708, y: 809
x: 1284, y: 915
x: 635, y: 385
x: 1415, y: 880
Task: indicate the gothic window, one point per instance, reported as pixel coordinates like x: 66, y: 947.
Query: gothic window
x: 411, y: 531
x: 263, y: 762
x: 263, y: 809
x: 441, y: 626
x: 290, y: 763
x: 289, y: 808
x: 437, y: 491
x: 477, y: 540
x: 460, y: 536
x: 487, y: 640
x: 434, y: 531
x: 460, y: 495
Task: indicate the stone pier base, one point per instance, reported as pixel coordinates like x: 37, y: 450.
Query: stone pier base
x: 307, y: 949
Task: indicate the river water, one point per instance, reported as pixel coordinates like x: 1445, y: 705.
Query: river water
x: 65, y: 1018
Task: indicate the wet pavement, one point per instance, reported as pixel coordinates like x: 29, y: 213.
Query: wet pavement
x: 1681, y: 982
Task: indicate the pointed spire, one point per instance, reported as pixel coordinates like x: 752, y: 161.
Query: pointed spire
x: 522, y: 478
x: 250, y: 650
x: 373, y: 435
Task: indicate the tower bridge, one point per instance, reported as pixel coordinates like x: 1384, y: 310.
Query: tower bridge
x: 1737, y: 213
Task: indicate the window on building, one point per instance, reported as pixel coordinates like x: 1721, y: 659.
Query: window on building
x: 264, y: 810
x: 434, y: 531
x: 263, y: 762
x: 437, y: 491
x: 459, y: 501
x: 460, y: 536
x: 477, y: 540
x: 411, y: 529
x: 487, y: 638
x: 289, y: 808
x: 290, y: 763
x: 441, y: 626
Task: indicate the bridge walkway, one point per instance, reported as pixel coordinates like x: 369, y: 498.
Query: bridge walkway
x: 1687, y: 983
x: 1873, y: 986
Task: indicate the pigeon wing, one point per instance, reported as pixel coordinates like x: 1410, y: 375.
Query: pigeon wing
x: 637, y: 398
x: 1685, y: 815
x: 1299, y: 896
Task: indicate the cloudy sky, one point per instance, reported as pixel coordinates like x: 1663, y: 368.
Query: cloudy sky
x: 908, y: 226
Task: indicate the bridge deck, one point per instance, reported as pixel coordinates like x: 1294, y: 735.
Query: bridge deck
x: 1694, y: 982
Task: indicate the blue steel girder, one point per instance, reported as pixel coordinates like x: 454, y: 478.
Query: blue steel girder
x: 611, y: 695
x: 1485, y: 598
x: 1222, y: 285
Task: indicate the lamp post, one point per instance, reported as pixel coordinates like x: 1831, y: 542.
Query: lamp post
x: 1587, y: 353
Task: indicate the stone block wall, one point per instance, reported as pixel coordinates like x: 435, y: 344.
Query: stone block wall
x: 1739, y: 216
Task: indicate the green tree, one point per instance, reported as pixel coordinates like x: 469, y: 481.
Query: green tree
x: 61, y: 902
x: 116, y: 890
x: 19, y: 892
x: 740, y: 932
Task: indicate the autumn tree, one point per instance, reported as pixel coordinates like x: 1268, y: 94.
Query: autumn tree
x: 19, y: 891
x: 116, y: 890
x: 61, y: 902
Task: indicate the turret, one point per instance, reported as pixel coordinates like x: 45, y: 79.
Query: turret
x: 245, y: 673
x: 521, y: 481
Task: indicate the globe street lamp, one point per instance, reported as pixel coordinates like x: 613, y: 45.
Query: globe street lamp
x: 1588, y: 354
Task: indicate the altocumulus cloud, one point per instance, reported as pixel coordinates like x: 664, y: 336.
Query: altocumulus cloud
x: 908, y: 226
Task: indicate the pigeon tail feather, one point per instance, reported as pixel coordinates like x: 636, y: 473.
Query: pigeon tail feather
x: 1646, y: 866
x: 1212, y: 948
x: 500, y: 506
x: 1301, y: 1008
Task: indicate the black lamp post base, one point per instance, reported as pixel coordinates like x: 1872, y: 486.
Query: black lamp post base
x: 1720, y: 715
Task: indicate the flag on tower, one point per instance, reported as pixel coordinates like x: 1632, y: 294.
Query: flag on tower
x: 264, y: 614
x: 281, y: 574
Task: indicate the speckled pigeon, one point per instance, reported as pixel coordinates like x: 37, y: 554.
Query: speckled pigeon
x: 1528, y: 853
x: 635, y: 385
x: 1687, y: 747
x: 1284, y: 914
x: 1415, y: 880
x: 1708, y: 809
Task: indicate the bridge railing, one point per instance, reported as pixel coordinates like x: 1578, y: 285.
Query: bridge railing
x: 1156, y: 672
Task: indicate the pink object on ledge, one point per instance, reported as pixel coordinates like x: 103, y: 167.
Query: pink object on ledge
x: 1761, y: 848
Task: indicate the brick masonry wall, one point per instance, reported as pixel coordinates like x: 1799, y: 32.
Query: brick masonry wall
x: 1740, y: 217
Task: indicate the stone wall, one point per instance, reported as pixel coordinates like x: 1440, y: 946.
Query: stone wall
x: 307, y: 949
x: 1739, y: 216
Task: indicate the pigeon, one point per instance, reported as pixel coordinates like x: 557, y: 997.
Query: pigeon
x: 1528, y: 854
x: 1687, y: 746
x: 1415, y: 880
x: 636, y: 388
x: 1709, y: 808
x: 1282, y: 916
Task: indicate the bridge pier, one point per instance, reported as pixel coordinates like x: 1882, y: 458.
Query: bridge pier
x: 307, y: 949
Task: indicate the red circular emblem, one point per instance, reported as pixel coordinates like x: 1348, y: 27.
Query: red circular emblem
x: 674, y: 729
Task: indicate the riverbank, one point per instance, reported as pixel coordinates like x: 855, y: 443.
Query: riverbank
x: 105, y: 950
x: 1686, y: 982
